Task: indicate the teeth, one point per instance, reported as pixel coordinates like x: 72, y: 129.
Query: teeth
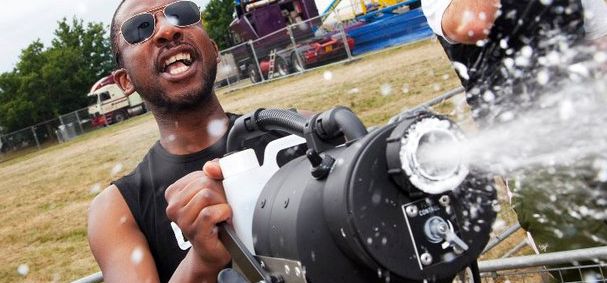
x: 179, y: 70
x: 177, y: 57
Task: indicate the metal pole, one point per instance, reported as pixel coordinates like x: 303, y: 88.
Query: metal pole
x: 501, y: 237
x: 516, y: 248
x: 93, y: 278
x: 35, y: 137
x: 256, y: 60
x: 79, y: 123
x: 344, y: 39
x: 290, y: 31
x: 566, y: 257
x: 427, y: 104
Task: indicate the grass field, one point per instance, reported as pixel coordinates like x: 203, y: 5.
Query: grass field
x: 44, y: 195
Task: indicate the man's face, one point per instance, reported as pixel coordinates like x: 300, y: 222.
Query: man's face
x: 175, y: 68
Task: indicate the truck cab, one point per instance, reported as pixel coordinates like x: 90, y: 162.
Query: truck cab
x: 108, y: 104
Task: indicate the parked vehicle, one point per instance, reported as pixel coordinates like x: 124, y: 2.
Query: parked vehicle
x: 108, y: 104
x: 279, y: 51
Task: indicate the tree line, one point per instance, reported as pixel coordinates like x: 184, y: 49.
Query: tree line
x: 48, y: 81
x: 51, y: 80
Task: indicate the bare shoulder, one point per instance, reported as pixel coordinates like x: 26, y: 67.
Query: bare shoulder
x: 118, y: 245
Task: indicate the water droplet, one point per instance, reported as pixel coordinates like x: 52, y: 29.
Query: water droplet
x: 117, y: 168
x: 445, y: 77
x: 385, y: 89
x: 566, y: 110
x: 171, y: 138
x: 23, y: 269
x: 384, y: 241
x: 462, y: 70
x: 327, y: 75
x: 95, y: 189
x: 498, y: 225
x: 313, y: 256
x: 173, y: 20
x: 546, y: 2
x: 579, y: 69
x: 488, y: 96
x: 137, y: 255
x: 527, y: 51
x: 354, y: 91
x: 543, y: 77
x: 369, y: 241
x: 287, y: 269
x: 482, y: 43
x: 217, y: 128
x: 123, y: 219
x: 600, y: 57
x: 343, y: 233
x: 509, y: 63
x: 436, y: 87
x: 558, y: 233
x: 504, y: 43
x: 482, y: 16
x: 405, y: 89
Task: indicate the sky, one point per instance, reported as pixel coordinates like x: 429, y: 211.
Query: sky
x: 24, y: 22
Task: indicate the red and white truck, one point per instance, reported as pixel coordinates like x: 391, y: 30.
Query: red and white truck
x: 108, y: 104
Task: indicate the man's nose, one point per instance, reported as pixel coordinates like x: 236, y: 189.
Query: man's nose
x: 166, y: 32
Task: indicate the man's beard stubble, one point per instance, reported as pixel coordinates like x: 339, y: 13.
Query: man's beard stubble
x: 192, y: 101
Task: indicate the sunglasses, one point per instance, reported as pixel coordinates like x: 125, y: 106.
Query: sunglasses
x: 141, y: 27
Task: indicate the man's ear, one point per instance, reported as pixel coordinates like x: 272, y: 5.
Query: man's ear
x: 123, y: 81
x: 217, y: 51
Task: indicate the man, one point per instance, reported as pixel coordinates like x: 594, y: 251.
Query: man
x: 159, y: 222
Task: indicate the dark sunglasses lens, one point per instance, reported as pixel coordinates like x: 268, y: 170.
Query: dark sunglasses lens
x: 182, y: 13
x: 138, y: 28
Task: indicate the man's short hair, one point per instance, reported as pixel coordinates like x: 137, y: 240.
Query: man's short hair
x: 114, y: 37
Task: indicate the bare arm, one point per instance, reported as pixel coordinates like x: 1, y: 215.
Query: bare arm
x: 117, y: 244
x: 196, y: 204
x: 468, y: 21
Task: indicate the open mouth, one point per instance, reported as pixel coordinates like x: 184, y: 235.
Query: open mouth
x: 178, y: 63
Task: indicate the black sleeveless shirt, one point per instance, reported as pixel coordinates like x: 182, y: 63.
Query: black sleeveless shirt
x: 143, y: 190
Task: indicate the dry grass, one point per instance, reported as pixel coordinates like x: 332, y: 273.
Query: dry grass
x: 44, y: 195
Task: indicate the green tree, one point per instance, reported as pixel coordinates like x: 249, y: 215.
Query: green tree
x: 50, y: 81
x: 216, y: 19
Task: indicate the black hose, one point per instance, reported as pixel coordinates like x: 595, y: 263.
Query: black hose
x: 340, y: 121
x: 253, y: 125
x: 281, y: 120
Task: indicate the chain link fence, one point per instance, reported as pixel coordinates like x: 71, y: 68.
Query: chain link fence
x: 41, y: 135
x: 343, y: 33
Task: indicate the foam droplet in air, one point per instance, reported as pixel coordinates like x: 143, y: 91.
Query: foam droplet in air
x: 385, y: 89
x: 543, y: 77
x: 216, y: 128
x: 137, y: 255
x: 405, y: 89
x: 95, y: 189
x: 462, y: 70
x: 117, y: 168
x: 327, y: 75
x: 23, y: 269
